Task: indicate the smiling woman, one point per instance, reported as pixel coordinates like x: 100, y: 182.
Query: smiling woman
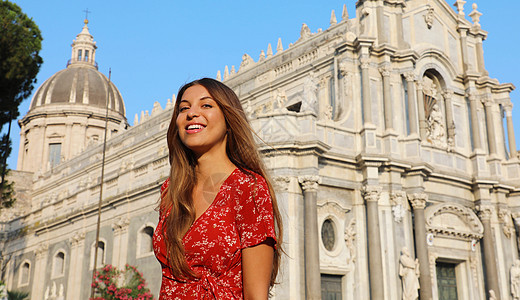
x: 219, y: 231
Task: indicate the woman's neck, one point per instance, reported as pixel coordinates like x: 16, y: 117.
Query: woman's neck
x: 211, y: 165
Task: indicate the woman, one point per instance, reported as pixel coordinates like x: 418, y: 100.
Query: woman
x: 216, y: 236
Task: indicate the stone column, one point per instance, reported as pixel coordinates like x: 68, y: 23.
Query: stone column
x: 474, y: 121
x: 508, y: 107
x: 412, y: 110
x: 490, y: 262
x: 120, y: 229
x: 423, y: 125
x: 309, y: 184
x: 77, y: 242
x: 488, y: 105
x: 450, y: 123
x: 365, y: 81
x: 371, y: 195
x: 418, y: 201
x: 480, y: 56
x: 39, y: 269
x: 387, y: 97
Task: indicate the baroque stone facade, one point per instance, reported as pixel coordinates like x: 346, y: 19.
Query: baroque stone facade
x: 382, y: 132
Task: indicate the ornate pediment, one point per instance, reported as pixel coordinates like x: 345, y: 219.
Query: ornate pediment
x: 453, y: 220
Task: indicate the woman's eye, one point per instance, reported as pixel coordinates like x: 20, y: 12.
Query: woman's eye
x: 181, y: 109
x: 207, y: 105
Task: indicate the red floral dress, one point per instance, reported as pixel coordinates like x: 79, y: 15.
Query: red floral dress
x: 240, y: 216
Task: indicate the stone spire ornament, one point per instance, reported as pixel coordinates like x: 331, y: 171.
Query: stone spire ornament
x: 344, y: 14
x: 136, y: 120
x: 459, y: 4
x: 226, y: 73
x: 269, y: 50
x: 475, y: 15
x: 232, y: 70
x: 333, y: 20
x: 262, y: 56
x: 279, y: 47
x: 219, y: 77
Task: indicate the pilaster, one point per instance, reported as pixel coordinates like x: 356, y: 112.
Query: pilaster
x: 412, y: 109
x: 120, y: 229
x: 77, y: 242
x: 39, y: 268
x: 510, y: 130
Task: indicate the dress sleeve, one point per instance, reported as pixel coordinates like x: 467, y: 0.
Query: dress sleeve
x: 254, y: 213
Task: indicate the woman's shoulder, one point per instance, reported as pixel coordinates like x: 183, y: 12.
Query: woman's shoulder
x: 248, y: 177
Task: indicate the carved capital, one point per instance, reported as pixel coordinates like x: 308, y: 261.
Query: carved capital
x: 409, y: 76
x: 77, y: 239
x: 385, y: 70
x: 364, y: 62
x: 41, y: 251
x: 343, y: 68
x: 120, y: 226
x: 485, y: 212
x: 418, y: 200
x: 487, y: 101
x: 324, y: 80
x: 508, y: 107
x: 309, y: 182
x: 282, y: 182
x: 447, y: 94
x: 371, y: 193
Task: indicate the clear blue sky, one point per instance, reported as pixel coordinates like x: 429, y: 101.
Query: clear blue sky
x: 153, y: 47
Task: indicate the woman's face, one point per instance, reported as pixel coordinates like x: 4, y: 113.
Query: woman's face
x: 201, y: 123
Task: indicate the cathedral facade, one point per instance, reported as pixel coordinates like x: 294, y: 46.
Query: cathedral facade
x: 391, y: 148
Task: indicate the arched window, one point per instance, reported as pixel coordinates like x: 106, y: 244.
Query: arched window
x: 145, y: 241
x: 59, y: 264
x: 100, y: 255
x: 25, y: 273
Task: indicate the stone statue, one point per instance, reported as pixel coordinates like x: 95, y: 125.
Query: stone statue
x: 246, y: 61
x: 515, y: 279
x: 61, y: 293
x: 305, y: 32
x: 310, y: 100
x: 409, y: 272
x: 436, y: 131
x: 492, y: 295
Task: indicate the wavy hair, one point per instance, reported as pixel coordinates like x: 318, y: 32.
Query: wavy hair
x: 242, y: 151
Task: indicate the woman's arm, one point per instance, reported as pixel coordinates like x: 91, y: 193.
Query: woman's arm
x: 257, y: 266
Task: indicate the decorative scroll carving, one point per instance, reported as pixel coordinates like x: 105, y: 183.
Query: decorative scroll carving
x: 485, y: 212
x: 463, y: 223
x: 77, y: 238
x: 418, y: 200
x: 121, y: 225
x: 398, y: 202
x: 309, y: 182
x: 364, y: 62
x: 371, y: 193
x: 282, y: 182
x: 504, y: 217
x: 332, y: 208
x: 41, y: 251
x: 350, y: 242
x: 428, y: 17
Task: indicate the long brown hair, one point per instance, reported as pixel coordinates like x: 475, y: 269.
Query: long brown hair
x: 241, y: 150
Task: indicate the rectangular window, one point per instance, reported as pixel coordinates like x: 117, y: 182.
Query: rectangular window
x: 54, y: 154
x: 86, y: 55
x: 446, y: 281
x: 331, y: 287
x: 79, y: 55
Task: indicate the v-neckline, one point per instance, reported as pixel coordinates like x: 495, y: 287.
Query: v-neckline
x: 224, y: 183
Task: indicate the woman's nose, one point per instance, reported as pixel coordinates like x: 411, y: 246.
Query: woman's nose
x: 192, y: 113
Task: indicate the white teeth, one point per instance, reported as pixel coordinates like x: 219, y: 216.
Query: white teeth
x: 195, y: 126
